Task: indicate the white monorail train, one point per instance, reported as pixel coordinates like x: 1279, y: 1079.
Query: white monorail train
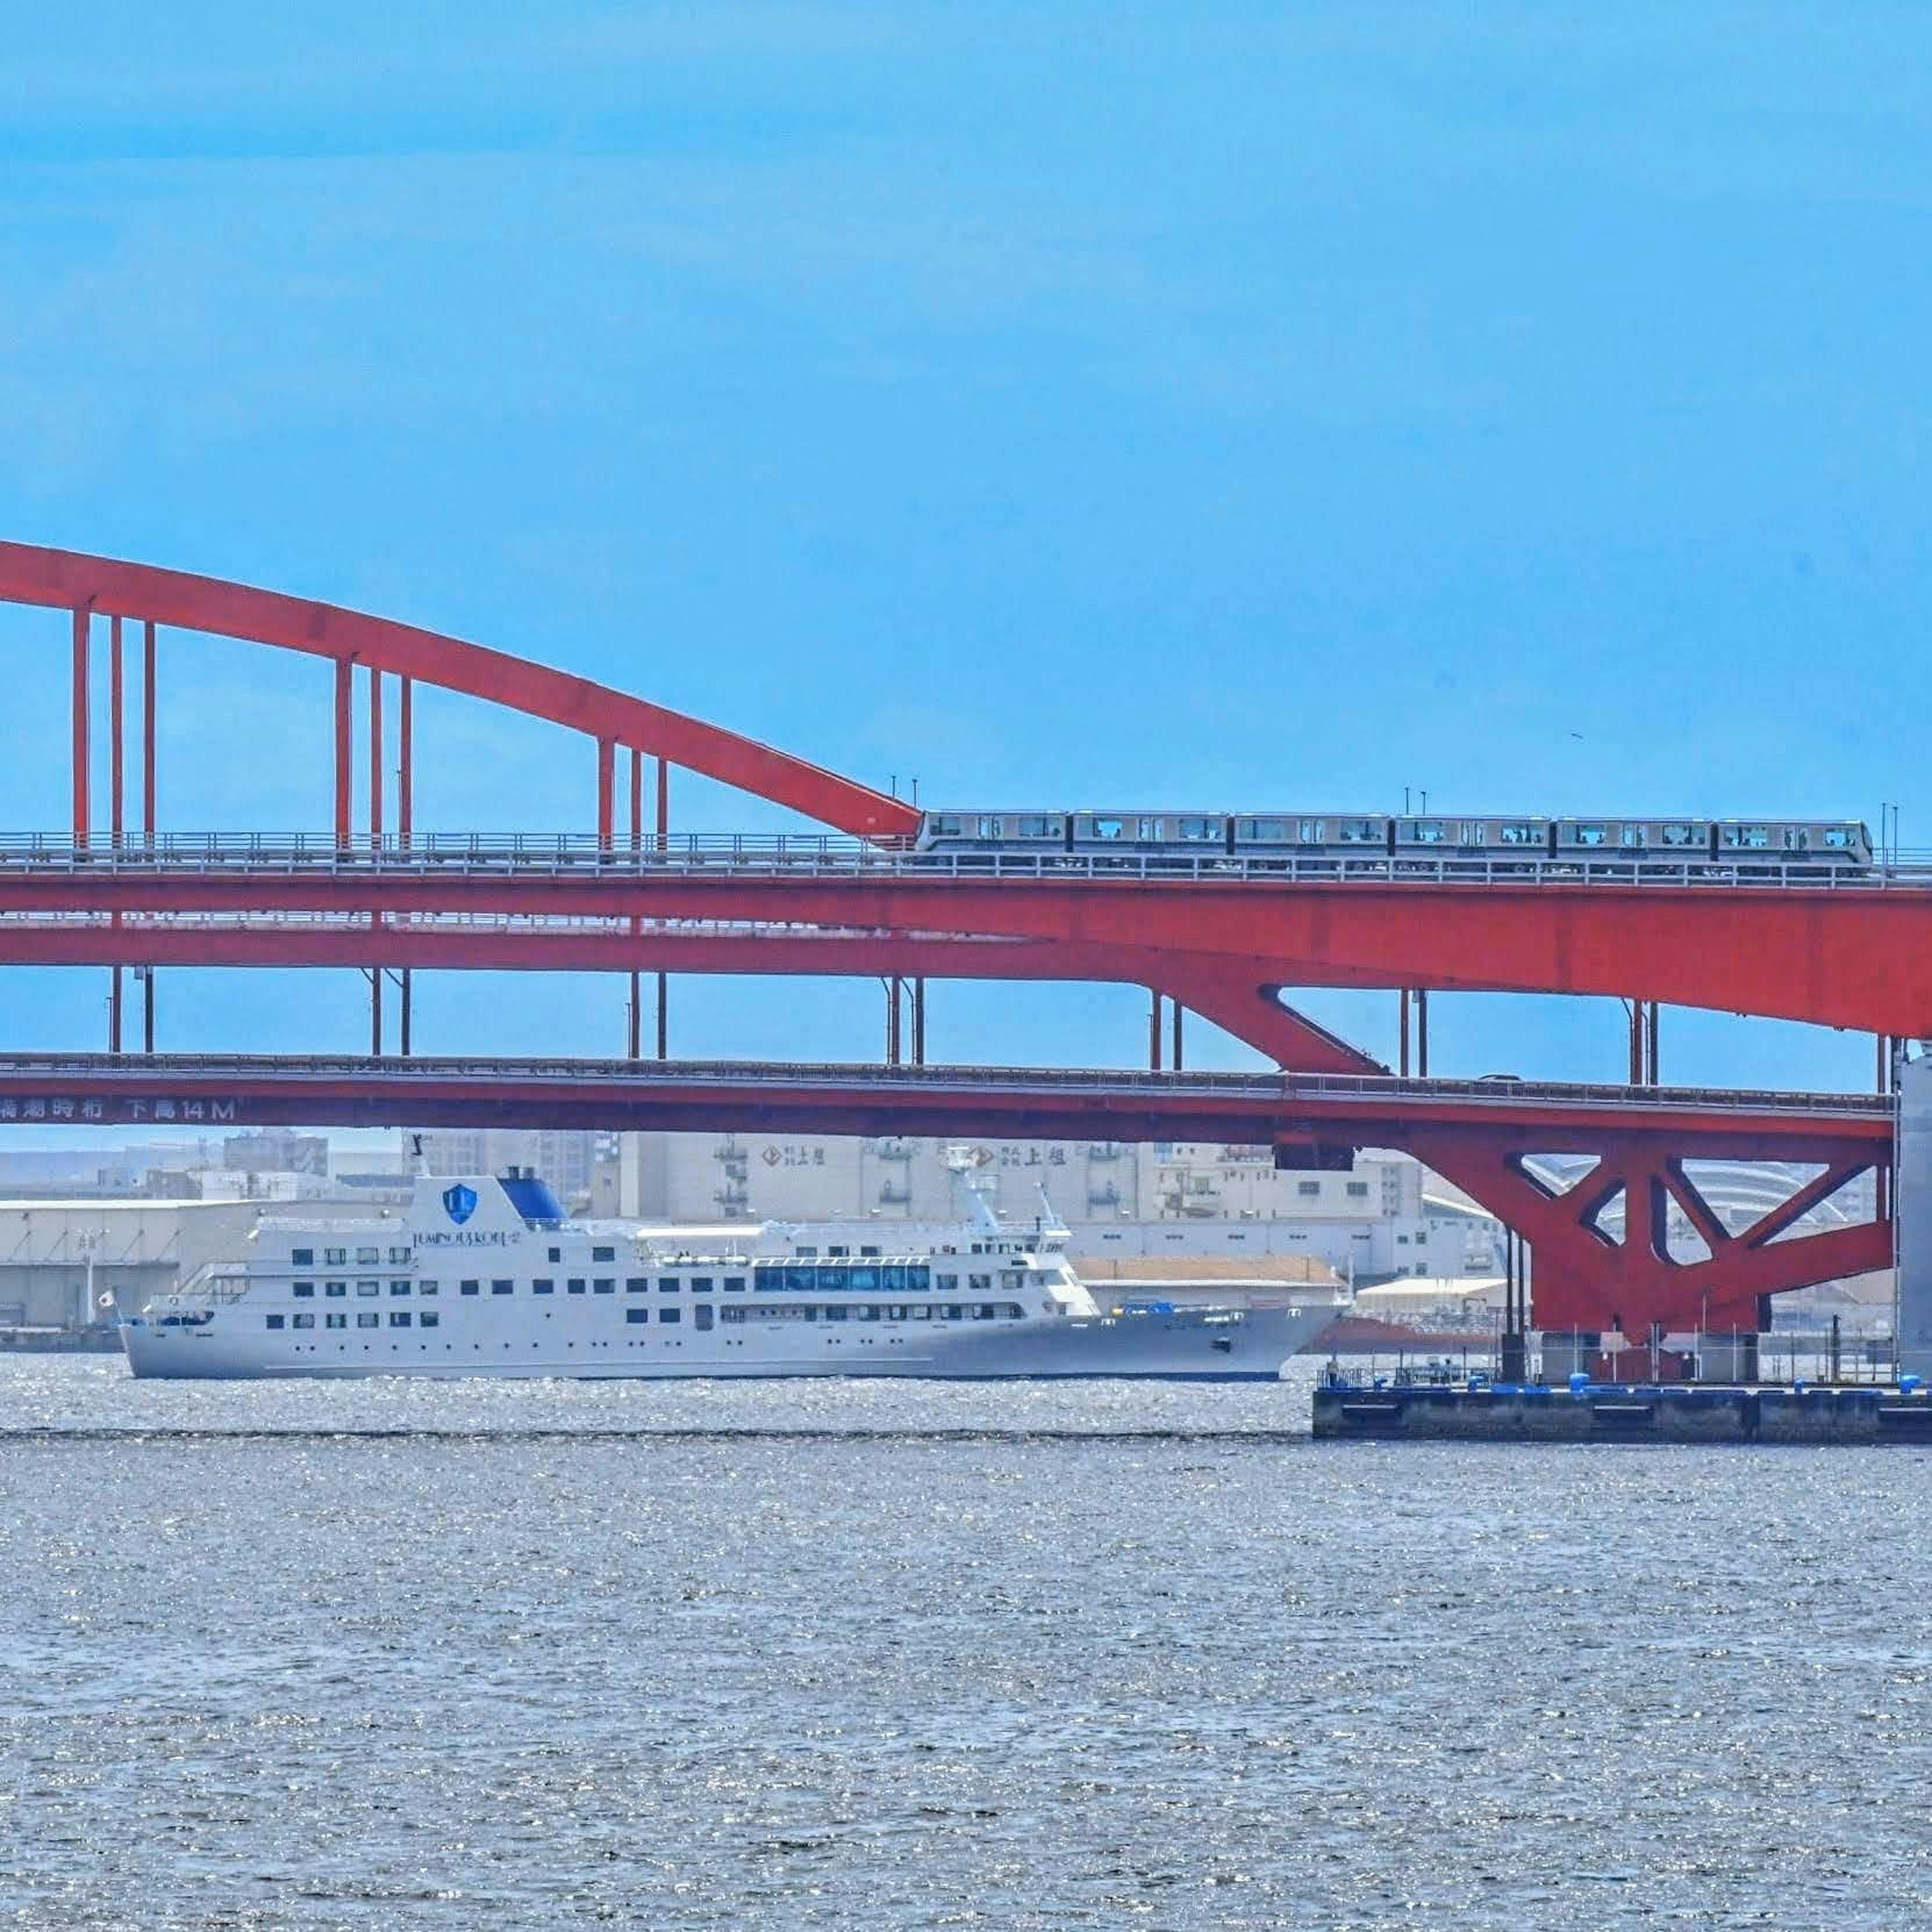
x: 1837, y: 843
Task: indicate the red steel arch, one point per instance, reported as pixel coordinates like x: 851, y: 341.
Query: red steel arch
x: 73, y: 580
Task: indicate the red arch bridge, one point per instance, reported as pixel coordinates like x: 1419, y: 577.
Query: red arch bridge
x: 1222, y: 939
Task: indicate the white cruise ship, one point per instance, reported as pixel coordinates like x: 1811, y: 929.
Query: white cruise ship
x: 483, y: 1276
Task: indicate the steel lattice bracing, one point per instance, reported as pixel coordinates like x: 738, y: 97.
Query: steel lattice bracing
x: 1220, y: 946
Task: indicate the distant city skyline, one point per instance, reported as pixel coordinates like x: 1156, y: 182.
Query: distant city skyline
x: 1229, y: 410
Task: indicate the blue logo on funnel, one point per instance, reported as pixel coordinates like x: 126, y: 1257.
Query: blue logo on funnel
x: 459, y: 1203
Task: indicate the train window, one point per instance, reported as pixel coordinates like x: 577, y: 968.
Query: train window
x: 1037, y: 826
x: 989, y: 828
x: 1148, y: 829
x: 1676, y: 835
x: 1630, y: 834
x: 1745, y: 838
x: 1797, y: 838
x: 1360, y: 832
x: 1838, y: 839
x: 1312, y: 831
x: 1200, y: 828
x: 1263, y: 831
x: 1516, y: 833
x: 946, y: 828
x: 1426, y: 831
x: 1110, y: 828
x: 1586, y: 835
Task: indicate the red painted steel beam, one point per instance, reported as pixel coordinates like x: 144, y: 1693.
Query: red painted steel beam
x: 148, y: 682
x: 1847, y: 957
x: 82, y: 628
x: 68, y: 579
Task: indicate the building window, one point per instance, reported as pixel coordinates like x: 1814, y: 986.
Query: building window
x: 334, y: 1320
x: 366, y: 1288
x: 636, y: 1284
x: 670, y: 1317
x: 302, y: 1257
x: 335, y: 1291
x: 637, y: 1315
x: 396, y: 1254
x: 428, y: 1318
x: 502, y: 1287
x: 304, y: 1291
x: 603, y: 1254
x: 304, y: 1321
x: 368, y: 1254
x: 605, y: 1284
x: 367, y: 1317
x: 668, y: 1284
x: 734, y: 1284
x: 948, y: 1284
x: 468, y: 1287
x: 333, y: 1257
x: 700, y: 1284
x: 277, y: 1321
x: 425, y: 1288
x: 554, y: 1254
x: 399, y: 1288
x: 399, y: 1318
x: 543, y: 1285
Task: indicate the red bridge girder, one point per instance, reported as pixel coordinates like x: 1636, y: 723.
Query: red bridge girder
x: 1847, y: 957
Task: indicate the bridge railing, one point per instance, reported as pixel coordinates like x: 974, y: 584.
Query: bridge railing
x: 832, y: 855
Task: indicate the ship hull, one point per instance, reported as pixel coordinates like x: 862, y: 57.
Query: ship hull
x: 1190, y: 1345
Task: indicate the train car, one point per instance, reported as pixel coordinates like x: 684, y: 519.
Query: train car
x: 989, y: 833
x: 1831, y: 842
x: 1265, y: 834
x: 1473, y: 837
x: 1177, y: 833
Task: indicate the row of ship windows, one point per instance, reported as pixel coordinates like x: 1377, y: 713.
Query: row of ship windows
x: 866, y: 1311
x: 672, y: 1318
x: 399, y: 1318
x: 365, y: 1257
x: 790, y: 1277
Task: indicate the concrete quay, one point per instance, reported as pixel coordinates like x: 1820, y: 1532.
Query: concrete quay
x: 1620, y: 1412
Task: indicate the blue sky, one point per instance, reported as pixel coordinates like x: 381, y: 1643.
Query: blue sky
x: 1227, y: 404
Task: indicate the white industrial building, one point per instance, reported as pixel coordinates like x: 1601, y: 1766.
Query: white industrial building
x: 1385, y: 1216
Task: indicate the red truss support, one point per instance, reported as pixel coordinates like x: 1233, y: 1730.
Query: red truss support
x: 1586, y: 1278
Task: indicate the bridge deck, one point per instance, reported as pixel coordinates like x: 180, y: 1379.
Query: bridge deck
x: 270, y: 857
x: 1239, y: 1109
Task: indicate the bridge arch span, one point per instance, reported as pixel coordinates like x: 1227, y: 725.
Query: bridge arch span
x: 90, y: 585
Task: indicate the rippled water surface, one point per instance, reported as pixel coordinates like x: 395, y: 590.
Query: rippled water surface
x: 886, y: 1655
